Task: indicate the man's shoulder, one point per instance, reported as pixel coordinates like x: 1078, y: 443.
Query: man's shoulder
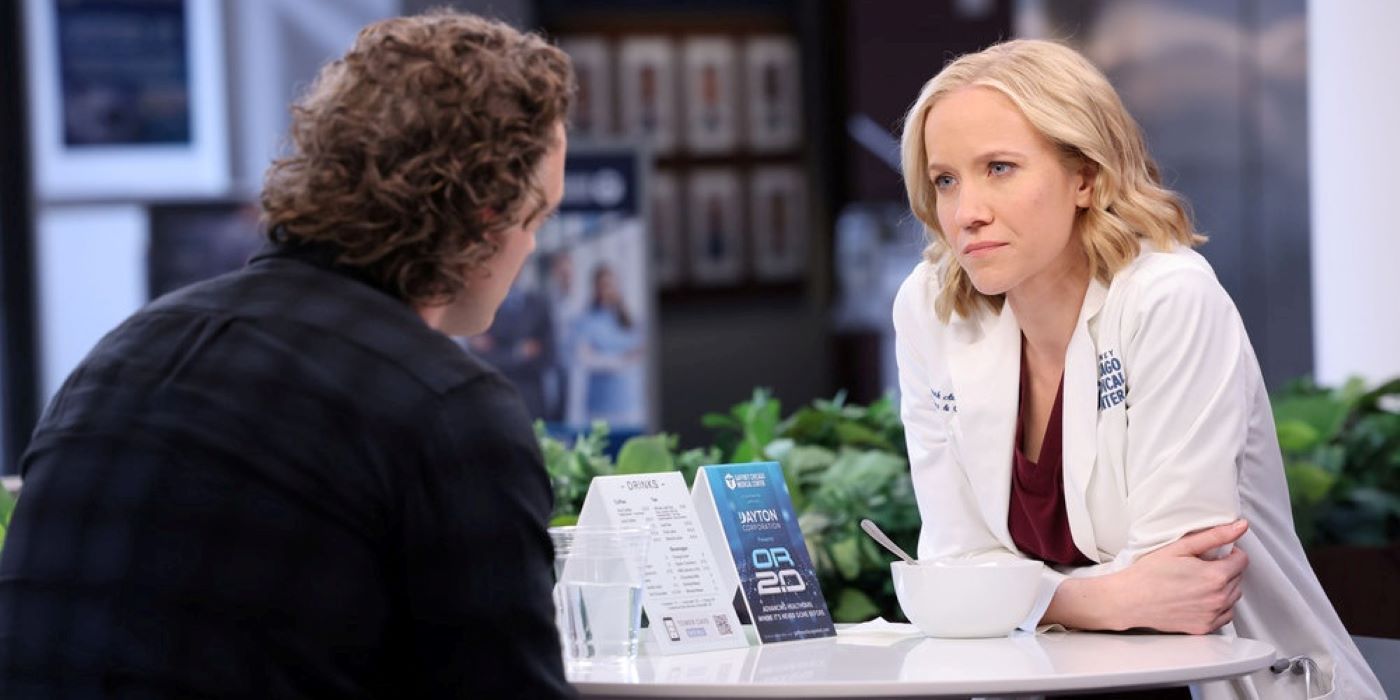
x: 328, y: 313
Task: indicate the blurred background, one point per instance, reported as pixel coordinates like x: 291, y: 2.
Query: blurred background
x: 734, y: 179
x: 733, y: 195
x: 734, y: 217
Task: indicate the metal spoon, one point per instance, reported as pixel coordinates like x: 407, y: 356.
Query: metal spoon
x: 879, y: 536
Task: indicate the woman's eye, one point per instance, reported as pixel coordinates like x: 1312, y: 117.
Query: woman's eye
x: 999, y: 168
x: 943, y: 182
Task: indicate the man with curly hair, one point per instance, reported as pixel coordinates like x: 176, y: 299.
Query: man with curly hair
x: 287, y: 481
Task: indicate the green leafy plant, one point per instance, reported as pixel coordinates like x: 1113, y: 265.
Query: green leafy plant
x: 844, y: 462
x: 1341, y: 450
x: 7, y: 508
x: 572, y: 468
x: 746, y: 431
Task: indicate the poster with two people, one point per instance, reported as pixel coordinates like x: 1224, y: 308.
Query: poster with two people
x: 575, y: 333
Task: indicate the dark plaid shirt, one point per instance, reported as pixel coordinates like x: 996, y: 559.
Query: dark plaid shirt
x: 280, y: 484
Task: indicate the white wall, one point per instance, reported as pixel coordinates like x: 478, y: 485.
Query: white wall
x: 91, y: 244
x: 91, y: 262
x: 1354, y: 148
x: 276, y: 47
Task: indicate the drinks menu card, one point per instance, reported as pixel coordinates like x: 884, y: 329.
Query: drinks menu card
x: 685, y: 595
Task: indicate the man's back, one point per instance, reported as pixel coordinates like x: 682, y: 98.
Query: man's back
x: 280, y: 483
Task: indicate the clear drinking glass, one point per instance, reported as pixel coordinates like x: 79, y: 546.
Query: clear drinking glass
x: 598, y: 590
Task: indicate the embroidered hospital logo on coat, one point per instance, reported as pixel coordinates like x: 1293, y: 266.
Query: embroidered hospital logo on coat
x: 944, y: 401
x: 1112, y: 389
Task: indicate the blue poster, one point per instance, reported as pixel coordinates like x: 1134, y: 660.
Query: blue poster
x: 574, y: 335
x: 123, y: 72
x: 776, y: 575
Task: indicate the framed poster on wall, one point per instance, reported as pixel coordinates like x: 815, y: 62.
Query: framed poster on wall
x: 592, y: 114
x: 773, y: 85
x: 647, y: 66
x: 711, y: 94
x: 664, y: 221
x: 576, y: 332
x: 715, y: 232
x: 778, y: 209
x: 127, y: 98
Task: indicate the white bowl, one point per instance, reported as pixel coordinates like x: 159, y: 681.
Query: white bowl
x: 961, y: 599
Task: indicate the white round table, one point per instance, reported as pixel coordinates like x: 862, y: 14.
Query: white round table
x: 890, y: 664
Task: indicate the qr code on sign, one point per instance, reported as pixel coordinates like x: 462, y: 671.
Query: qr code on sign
x: 722, y: 624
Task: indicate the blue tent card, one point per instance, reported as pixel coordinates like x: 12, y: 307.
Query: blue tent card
x: 749, y: 515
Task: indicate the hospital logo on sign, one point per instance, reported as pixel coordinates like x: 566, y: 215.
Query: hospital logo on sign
x: 1113, y: 390
x: 745, y: 480
x: 944, y: 401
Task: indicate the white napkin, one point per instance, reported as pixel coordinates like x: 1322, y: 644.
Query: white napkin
x: 878, y: 632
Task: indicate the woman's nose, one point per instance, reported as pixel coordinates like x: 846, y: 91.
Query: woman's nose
x: 972, y: 211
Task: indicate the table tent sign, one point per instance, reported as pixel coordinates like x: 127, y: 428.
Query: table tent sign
x: 687, y: 598
x: 746, y: 511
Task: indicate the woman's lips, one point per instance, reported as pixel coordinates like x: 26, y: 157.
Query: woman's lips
x: 982, y: 248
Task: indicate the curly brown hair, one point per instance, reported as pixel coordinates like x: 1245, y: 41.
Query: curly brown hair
x: 416, y: 144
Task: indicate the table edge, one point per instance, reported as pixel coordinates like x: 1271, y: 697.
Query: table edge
x: 1263, y: 656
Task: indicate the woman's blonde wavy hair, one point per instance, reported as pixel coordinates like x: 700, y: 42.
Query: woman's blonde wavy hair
x: 1072, y: 104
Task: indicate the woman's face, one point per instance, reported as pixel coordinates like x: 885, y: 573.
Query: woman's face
x: 1006, y: 199
x: 606, y: 288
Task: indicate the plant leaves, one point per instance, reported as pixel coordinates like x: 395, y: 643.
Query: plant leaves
x: 645, y: 455
x: 1371, y: 401
x: 717, y: 421
x: 7, y: 507
x: 857, y: 435
x: 875, y: 555
x: 745, y: 452
x: 806, y: 426
x: 1323, y: 413
x: 1331, y: 458
x: 845, y: 552
x: 852, y: 605
x: 1351, y: 391
x: 1297, y: 436
x: 795, y: 490
x: 1376, y: 500
x: 690, y: 461
x: 808, y: 464
x: 844, y: 461
x: 779, y: 448
x: 1308, y: 483
x: 1352, y: 524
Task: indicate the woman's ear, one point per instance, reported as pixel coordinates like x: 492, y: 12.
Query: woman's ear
x: 1088, y: 176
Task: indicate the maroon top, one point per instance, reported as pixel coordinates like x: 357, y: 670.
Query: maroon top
x: 1037, y: 518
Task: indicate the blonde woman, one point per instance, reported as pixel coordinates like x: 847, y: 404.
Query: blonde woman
x: 1077, y: 386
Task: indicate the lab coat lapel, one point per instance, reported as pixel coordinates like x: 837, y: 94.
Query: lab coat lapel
x: 985, y: 361
x: 1080, y: 414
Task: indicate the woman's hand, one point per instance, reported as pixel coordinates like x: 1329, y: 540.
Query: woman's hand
x: 1178, y: 588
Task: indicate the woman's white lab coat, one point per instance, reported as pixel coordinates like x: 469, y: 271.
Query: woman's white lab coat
x: 1167, y: 430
